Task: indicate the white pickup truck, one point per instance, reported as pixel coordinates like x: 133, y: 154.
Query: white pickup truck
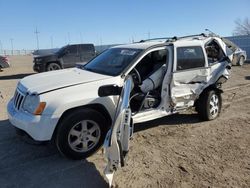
x: 76, y: 107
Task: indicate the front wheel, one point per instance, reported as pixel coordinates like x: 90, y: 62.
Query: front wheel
x: 241, y: 61
x: 81, y: 133
x: 209, y: 105
x: 53, y: 66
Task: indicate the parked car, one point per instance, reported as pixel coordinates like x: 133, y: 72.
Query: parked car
x: 65, y: 57
x: 239, y: 57
x: 4, y: 62
x: 165, y: 77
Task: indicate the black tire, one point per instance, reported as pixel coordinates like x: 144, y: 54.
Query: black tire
x: 66, y: 140
x: 53, y: 66
x: 204, y: 105
x: 241, y: 61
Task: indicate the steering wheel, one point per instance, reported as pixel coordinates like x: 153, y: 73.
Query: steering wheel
x: 136, y: 76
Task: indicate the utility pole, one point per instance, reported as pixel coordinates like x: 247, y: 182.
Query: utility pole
x: 149, y: 35
x: 69, y: 37
x: 51, y: 41
x: 81, y: 37
x: 1, y: 46
x: 101, y: 43
x: 65, y: 40
x: 11, y: 42
x: 37, y: 40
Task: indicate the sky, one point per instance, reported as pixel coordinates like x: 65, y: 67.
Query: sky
x: 60, y: 22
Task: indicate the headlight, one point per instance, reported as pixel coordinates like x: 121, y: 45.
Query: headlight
x: 33, y: 105
x: 38, y: 60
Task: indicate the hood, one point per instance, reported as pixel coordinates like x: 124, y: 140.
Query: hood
x: 230, y: 44
x: 45, y: 82
x: 46, y: 56
x: 45, y: 52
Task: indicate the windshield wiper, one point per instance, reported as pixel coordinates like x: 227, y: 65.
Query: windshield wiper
x: 88, y: 69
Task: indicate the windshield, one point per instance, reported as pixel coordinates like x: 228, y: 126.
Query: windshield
x: 113, y: 61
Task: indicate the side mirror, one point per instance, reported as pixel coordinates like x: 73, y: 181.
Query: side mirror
x: 66, y: 52
x: 109, y: 90
x: 63, y: 53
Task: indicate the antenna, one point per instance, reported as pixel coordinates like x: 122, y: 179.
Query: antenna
x: 211, y: 32
x: 37, y: 40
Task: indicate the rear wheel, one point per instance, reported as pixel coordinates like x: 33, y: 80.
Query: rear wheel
x: 209, y: 105
x: 53, y: 66
x: 81, y: 133
x: 241, y: 61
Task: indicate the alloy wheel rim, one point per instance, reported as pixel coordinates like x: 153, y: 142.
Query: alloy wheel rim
x: 214, y: 105
x: 84, y: 136
x: 54, y: 67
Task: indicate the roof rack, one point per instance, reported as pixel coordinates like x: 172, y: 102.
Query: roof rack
x: 162, y: 38
x: 188, y: 36
x: 175, y: 38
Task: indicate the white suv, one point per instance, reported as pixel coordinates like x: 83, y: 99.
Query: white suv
x: 76, y: 107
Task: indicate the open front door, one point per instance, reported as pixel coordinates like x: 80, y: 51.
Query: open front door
x: 116, y: 143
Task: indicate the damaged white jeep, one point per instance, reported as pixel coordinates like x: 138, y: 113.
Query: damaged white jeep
x: 76, y: 107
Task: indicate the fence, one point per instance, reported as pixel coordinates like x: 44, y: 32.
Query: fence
x: 16, y: 52
x: 44, y: 51
x: 242, y: 41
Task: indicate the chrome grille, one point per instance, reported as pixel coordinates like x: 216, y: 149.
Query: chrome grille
x: 18, y: 99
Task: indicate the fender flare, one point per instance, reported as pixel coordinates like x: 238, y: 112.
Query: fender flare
x: 98, y: 107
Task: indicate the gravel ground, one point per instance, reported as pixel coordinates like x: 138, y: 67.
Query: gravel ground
x: 175, y: 151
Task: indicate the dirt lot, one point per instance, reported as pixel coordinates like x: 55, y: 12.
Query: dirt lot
x: 175, y: 151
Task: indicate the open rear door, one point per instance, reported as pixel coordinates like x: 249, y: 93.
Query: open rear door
x: 116, y: 143
x: 193, y: 71
x: 190, y: 75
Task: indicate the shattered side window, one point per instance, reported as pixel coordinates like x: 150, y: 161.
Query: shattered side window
x: 190, y: 57
x: 214, y: 52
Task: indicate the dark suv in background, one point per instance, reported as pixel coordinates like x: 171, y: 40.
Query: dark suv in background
x: 65, y: 57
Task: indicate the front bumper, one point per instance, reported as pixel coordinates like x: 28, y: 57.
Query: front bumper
x: 39, y: 67
x: 40, y: 128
